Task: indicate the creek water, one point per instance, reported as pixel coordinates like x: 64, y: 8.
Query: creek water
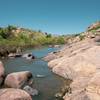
x: 47, y: 86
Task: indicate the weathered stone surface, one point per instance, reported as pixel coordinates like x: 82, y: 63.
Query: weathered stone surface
x: 1, y: 69
x: 2, y: 72
x: 30, y: 90
x: 13, y: 55
x: 82, y: 95
x: 82, y: 90
x: 50, y: 57
x: 80, y: 83
x: 77, y: 58
x: 77, y: 65
x: 74, y: 69
x: 94, y: 84
x: 17, y: 79
x: 80, y: 62
x: 14, y: 94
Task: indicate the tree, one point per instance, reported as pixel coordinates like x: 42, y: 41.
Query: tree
x: 48, y: 35
x: 3, y: 33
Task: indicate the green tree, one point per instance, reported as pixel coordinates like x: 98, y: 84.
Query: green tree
x: 48, y: 35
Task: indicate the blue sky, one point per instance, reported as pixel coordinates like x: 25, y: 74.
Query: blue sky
x: 53, y: 16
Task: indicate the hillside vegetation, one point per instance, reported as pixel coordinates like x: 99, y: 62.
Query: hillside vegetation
x: 14, y: 36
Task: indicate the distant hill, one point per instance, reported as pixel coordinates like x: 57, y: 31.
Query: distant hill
x: 13, y: 31
x: 12, y: 37
x: 91, y: 32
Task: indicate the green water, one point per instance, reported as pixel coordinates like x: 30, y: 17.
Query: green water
x: 48, y: 85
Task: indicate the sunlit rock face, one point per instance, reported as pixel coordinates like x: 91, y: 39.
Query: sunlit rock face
x: 80, y: 62
x: 17, y: 79
x: 2, y: 72
x: 14, y: 94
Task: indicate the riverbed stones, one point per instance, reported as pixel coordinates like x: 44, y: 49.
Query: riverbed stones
x: 14, y: 94
x: 30, y: 90
x: 28, y: 56
x: 17, y: 79
x: 14, y: 55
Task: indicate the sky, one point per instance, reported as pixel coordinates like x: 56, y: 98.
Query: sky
x: 52, y: 16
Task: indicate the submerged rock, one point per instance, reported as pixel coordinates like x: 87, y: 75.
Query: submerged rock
x: 30, y: 90
x: 14, y: 94
x: 17, y: 79
x: 28, y: 56
x: 40, y: 76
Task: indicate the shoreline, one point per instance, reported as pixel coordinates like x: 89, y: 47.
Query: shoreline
x: 70, y: 63
x: 40, y: 86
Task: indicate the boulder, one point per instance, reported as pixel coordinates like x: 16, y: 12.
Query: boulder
x: 97, y: 39
x: 14, y: 94
x: 2, y: 72
x: 13, y: 55
x: 17, y: 79
x: 28, y: 56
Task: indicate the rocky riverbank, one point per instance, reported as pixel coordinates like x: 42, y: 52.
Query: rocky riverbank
x: 80, y: 62
x: 16, y: 85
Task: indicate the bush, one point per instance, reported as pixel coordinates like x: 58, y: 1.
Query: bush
x: 81, y: 37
